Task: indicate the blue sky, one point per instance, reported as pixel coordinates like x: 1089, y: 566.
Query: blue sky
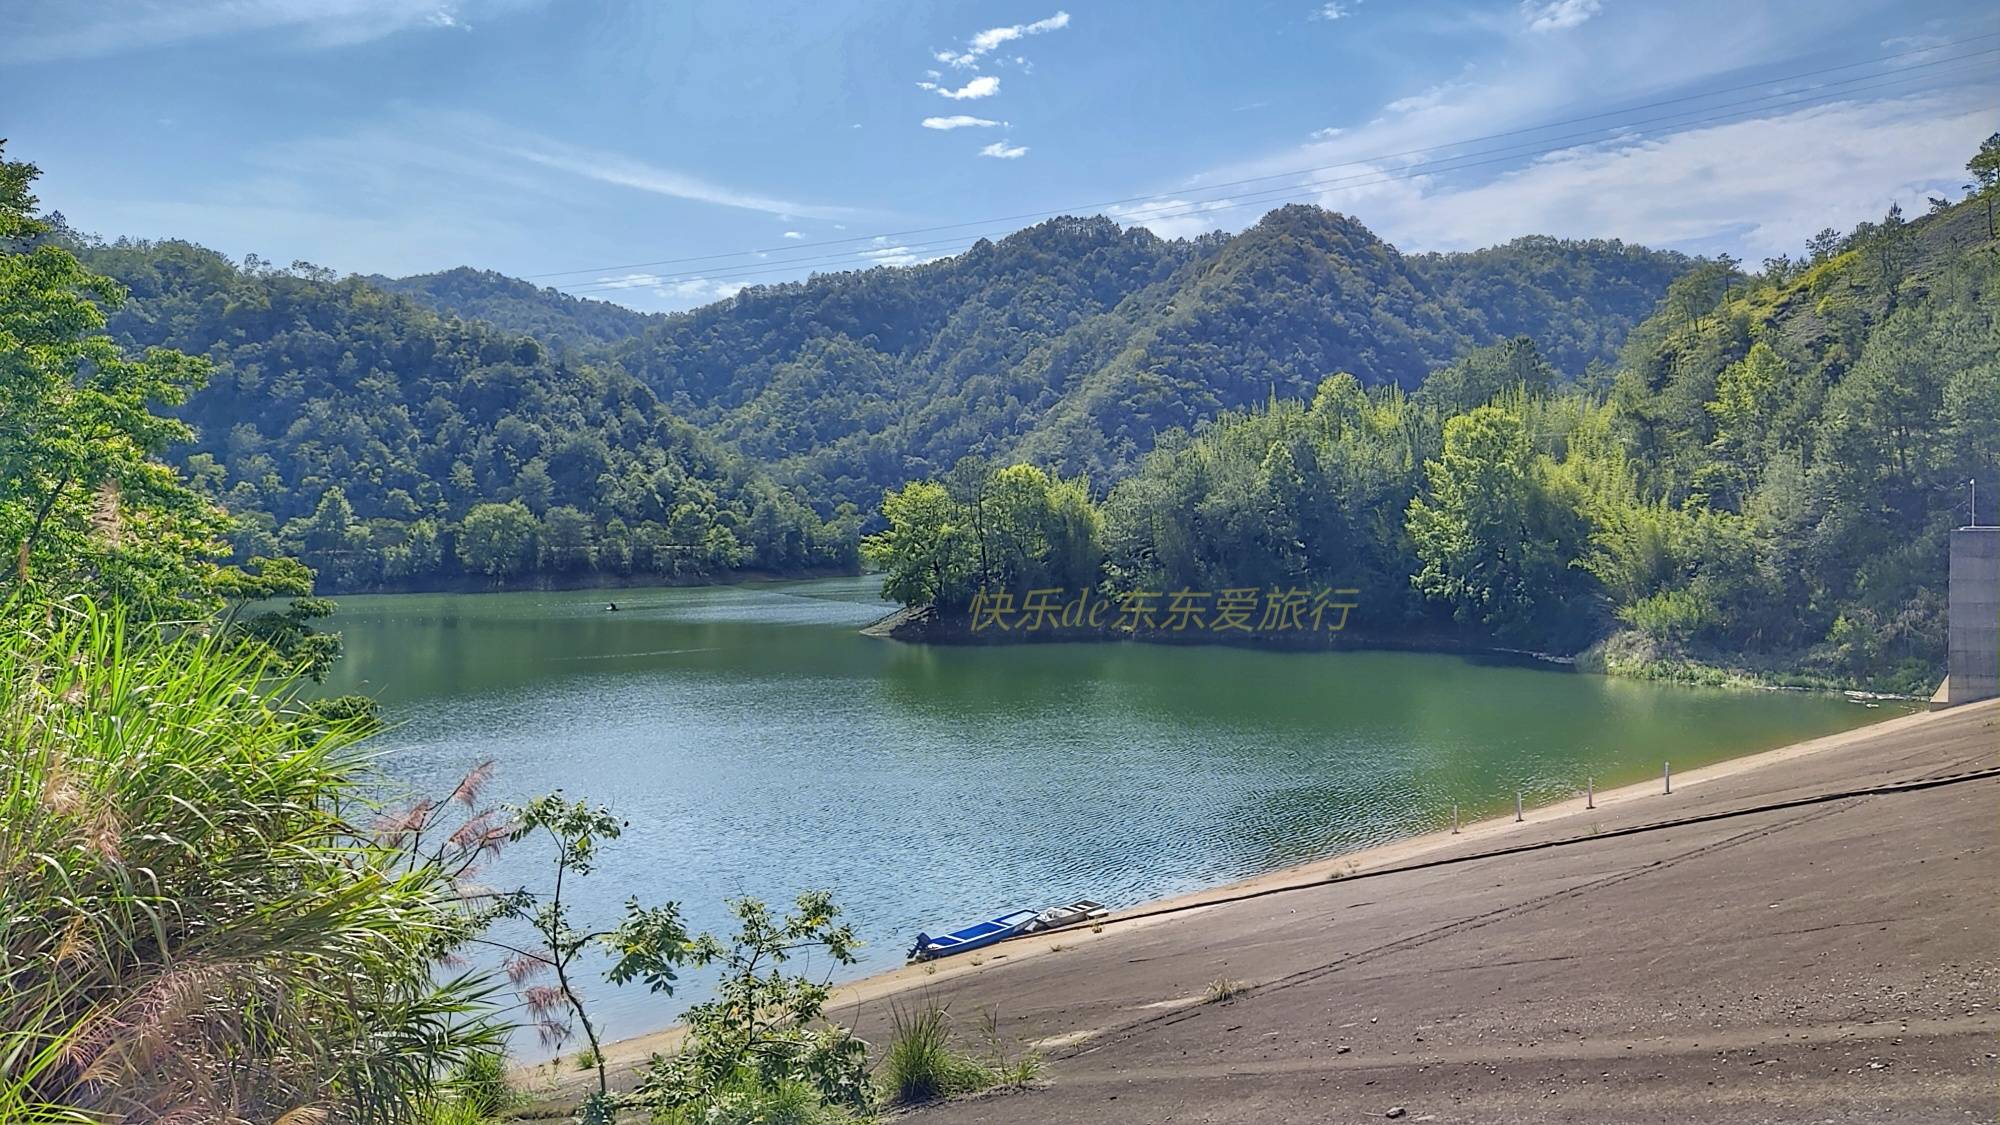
x: 665, y: 153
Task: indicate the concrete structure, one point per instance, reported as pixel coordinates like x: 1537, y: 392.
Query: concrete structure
x: 1973, y: 616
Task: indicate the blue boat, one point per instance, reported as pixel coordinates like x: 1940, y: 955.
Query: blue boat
x: 973, y: 937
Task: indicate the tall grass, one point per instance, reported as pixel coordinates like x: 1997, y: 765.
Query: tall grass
x: 923, y: 1062
x: 193, y: 924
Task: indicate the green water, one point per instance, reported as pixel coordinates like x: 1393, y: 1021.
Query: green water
x: 759, y: 745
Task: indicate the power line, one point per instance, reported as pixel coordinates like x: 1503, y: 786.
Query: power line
x: 848, y: 241
x: 1268, y: 196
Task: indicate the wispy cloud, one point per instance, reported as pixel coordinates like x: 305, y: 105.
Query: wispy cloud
x: 960, y: 121
x: 984, y: 86
x: 984, y: 42
x: 624, y: 171
x: 1000, y: 150
x: 793, y: 234
x: 52, y: 30
x: 1558, y: 15
x: 1174, y: 218
x: 1325, y: 134
x: 1332, y: 10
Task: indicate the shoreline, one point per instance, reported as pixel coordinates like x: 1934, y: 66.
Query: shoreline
x: 624, y: 1055
x: 917, y: 626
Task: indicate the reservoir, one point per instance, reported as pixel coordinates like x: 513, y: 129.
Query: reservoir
x: 757, y: 744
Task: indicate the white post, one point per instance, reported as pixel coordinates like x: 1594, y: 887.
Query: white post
x: 1454, y: 819
x: 1517, y: 807
x: 1589, y: 792
x: 1667, y: 775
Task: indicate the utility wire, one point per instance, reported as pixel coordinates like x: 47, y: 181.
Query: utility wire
x: 1792, y: 77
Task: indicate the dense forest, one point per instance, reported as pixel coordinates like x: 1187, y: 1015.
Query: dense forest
x: 386, y: 446
x: 1764, y: 479
x: 464, y: 427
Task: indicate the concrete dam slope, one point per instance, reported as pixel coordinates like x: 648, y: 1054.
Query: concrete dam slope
x: 1829, y: 959
x: 1973, y: 616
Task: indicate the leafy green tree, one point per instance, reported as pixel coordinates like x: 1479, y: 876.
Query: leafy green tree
x: 1495, y: 542
x: 285, y: 631
x: 86, y: 502
x: 567, y: 538
x: 498, y: 539
x: 921, y: 552
x: 1985, y: 169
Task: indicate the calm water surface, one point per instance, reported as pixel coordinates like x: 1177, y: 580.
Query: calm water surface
x: 759, y: 745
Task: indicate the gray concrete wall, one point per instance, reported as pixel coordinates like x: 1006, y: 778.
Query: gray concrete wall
x: 1974, y: 614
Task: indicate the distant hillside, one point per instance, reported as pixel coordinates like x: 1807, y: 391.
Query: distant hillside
x: 549, y: 315
x: 1075, y: 342
x: 1763, y: 489
x: 388, y: 447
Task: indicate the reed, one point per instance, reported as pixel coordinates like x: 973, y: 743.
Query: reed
x: 198, y: 925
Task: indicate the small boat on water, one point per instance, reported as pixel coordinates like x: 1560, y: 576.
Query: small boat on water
x: 1070, y: 914
x: 973, y: 937
x: 1011, y: 924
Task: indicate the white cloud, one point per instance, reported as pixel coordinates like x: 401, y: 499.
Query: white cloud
x: 889, y: 256
x: 1751, y: 187
x: 1002, y: 151
x: 994, y: 36
x: 793, y: 234
x: 959, y: 121
x: 1332, y: 10
x: 984, y: 42
x: 681, y: 292
x: 1325, y: 134
x: 1174, y: 218
x: 45, y: 30
x: 1558, y: 15
x: 984, y: 86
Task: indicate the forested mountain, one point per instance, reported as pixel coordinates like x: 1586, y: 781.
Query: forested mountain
x: 411, y: 431
x: 1073, y: 343
x: 383, y: 445
x: 557, y: 319
x: 1766, y: 482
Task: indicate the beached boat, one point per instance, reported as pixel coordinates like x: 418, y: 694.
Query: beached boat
x: 973, y: 937
x: 1070, y: 914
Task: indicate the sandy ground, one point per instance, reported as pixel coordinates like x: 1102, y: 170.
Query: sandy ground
x: 1833, y: 961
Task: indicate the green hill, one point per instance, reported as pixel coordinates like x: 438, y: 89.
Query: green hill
x: 557, y: 319
x: 386, y: 446
x: 1075, y: 342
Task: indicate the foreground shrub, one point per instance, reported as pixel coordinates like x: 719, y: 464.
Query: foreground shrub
x: 195, y: 927
x: 766, y: 1029
x: 746, y: 1100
